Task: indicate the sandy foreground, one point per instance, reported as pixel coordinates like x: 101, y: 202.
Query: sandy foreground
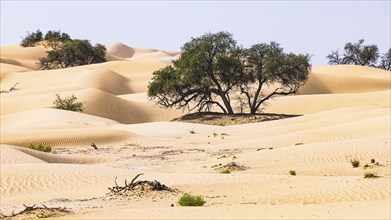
x: 345, y: 114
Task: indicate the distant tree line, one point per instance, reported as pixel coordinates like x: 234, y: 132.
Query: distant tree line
x: 63, y: 51
x: 360, y: 54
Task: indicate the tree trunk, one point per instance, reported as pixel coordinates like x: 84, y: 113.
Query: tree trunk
x: 227, y: 104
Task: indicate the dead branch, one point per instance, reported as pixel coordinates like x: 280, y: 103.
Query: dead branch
x: 31, y: 209
x: 142, y: 185
x: 94, y: 146
x: 13, y: 88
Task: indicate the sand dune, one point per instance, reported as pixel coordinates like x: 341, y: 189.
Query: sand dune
x: 346, y: 79
x: 345, y: 114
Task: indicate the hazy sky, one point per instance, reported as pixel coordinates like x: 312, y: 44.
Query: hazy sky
x: 314, y: 27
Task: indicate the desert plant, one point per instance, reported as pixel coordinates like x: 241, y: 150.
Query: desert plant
x: 73, y: 53
x: 40, y: 147
x: 68, y: 103
x: 192, y: 131
x: 292, y: 172
x: 32, y: 39
x: 372, y: 160
x: 370, y: 175
x: 355, y: 162
x: 190, y: 200
x: 225, y: 171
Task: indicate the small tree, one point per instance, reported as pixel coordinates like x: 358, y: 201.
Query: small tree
x: 357, y: 54
x: 385, y: 62
x: 32, y: 39
x: 68, y: 103
x: 266, y: 65
x: 74, y: 53
x: 55, y: 38
x: 335, y: 58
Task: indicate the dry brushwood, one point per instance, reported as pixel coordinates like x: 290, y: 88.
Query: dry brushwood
x: 142, y: 185
x: 13, y: 88
x: 94, y: 146
x: 44, y: 211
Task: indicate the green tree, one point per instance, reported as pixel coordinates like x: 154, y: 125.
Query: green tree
x: 385, y: 62
x: 54, y: 39
x: 32, y: 39
x: 357, y: 54
x: 212, y: 69
x: 267, y: 64
x: 74, y: 53
x: 207, y: 68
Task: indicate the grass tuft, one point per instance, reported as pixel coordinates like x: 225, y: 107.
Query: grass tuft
x: 190, y: 200
x: 355, y: 162
x: 292, y: 172
x: 225, y: 171
x: 192, y: 132
x: 40, y: 147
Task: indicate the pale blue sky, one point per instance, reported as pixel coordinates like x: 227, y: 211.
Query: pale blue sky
x: 314, y: 27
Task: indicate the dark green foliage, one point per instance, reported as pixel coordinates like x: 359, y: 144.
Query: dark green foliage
x: 40, y: 147
x: 54, y: 39
x: 32, y: 39
x: 212, y: 67
x: 292, y: 172
x: 385, y: 62
x: 68, y: 103
x: 74, y: 53
x: 190, y: 200
x: 357, y: 54
x: 268, y: 64
x: 208, y: 67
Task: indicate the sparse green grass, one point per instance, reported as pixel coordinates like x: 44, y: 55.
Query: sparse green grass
x: 132, y: 144
x: 40, y: 147
x: 355, y: 162
x: 225, y: 171
x: 370, y: 175
x: 292, y: 172
x: 190, y: 200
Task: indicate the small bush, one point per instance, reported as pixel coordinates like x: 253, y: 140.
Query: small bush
x: 225, y: 171
x: 355, y: 163
x: 40, y: 147
x: 292, y: 172
x: 372, y: 160
x: 370, y: 175
x: 190, y: 200
x: 192, y: 132
x: 68, y: 103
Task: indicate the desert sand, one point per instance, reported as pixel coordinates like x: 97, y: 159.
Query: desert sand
x: 344, y: 114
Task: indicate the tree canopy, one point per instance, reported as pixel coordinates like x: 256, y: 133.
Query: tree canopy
x: 73, y: 53
x: 32, y: 39
x: 359, y: 54
x: 213, y: 69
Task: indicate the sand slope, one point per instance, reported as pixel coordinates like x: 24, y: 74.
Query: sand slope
x: 345, y: 115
